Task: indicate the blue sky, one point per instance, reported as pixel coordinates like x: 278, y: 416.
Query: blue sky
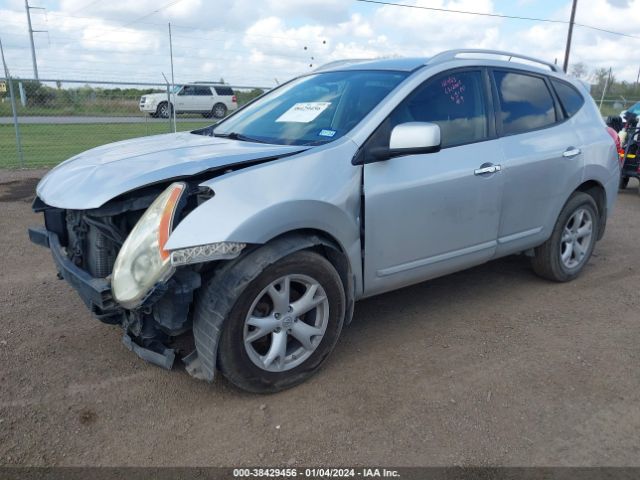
x: 250, y: 42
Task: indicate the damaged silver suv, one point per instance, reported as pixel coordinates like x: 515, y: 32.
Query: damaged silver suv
x: 257, y: 235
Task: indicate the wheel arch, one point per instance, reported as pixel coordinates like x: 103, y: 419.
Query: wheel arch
x: 596, y: 190
x: 202, y: 363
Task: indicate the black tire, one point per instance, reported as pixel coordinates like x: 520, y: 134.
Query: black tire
x: 219, y: 110
x: 547, y: 261
x: 624, y: 182
x: 163, y: 111
x: 242, y: 284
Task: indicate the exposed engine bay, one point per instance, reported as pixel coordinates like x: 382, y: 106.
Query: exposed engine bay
x: 91, y: 240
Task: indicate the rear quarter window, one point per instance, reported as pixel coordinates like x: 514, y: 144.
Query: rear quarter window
x: 525, y: 102
x: 227, y: 91
x: 570, y: 98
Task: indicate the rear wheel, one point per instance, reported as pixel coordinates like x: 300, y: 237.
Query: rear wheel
x: 624, y: 182
x: 563, y: 256
x: 219, y: 110
x: 283, y: 324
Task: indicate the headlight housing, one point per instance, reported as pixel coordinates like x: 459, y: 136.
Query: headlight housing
x: 142, y: 261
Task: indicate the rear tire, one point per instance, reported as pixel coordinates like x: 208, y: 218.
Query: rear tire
x: 624, y: 182
x: 259, y: 349
x: 563, y: 256
x: 219, y: 110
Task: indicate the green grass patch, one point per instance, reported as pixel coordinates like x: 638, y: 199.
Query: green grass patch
x: 46, y: 145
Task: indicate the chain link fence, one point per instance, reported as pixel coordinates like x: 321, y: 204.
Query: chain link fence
x: 45, y: 122
x: 56, y: 119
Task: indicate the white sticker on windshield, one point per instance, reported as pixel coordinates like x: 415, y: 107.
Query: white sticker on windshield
x: 303, y: 112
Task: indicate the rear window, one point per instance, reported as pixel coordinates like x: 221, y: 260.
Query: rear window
x: 224, y: 91
x: 570, y: 98
x: 525, y: 102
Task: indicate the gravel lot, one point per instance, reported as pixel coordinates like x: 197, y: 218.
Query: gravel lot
x: 491, y: 366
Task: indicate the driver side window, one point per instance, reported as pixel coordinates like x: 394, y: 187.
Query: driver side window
x: 454, y: 101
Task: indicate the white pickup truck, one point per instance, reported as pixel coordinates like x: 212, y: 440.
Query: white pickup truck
x: 208, y: 100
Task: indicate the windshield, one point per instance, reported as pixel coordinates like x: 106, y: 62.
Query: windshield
x: 311, y: 110
x: 176, y: 88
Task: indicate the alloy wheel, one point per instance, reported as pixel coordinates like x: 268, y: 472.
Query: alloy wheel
x: 576, y: 239
x: 286, y: 323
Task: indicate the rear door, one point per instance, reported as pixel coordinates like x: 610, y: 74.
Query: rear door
x: 542, y: 157
x: 426, y: 215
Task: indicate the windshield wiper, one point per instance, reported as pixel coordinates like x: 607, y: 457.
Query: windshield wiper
x: 238, y: 136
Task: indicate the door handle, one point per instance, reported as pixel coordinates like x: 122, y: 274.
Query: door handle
x: 571, y: 152
x: 487, y: 169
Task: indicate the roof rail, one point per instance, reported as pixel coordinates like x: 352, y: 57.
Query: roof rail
x: 340, y: 63
x: 453, y: 54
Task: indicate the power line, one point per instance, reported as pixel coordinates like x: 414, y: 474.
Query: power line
x: 495, y: 15
x: 465, y: 12
x: 135, y: 20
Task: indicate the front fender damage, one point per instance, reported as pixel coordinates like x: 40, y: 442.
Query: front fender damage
x: 201, y: 363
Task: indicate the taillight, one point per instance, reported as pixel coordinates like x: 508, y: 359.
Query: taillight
x: 619, y: 148
x: 234, y: 99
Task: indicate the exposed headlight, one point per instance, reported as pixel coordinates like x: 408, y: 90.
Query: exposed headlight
x: 206, y: 253
x: 142, y: 261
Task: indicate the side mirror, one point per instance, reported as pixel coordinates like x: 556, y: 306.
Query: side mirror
x: 412, y: 138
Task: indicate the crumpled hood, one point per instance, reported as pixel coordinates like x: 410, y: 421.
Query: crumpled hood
x: 94, y: 177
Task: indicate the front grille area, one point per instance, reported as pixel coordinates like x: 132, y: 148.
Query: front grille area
x: 93, y: 242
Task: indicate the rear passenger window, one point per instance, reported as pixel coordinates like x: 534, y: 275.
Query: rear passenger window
x: 224, y: 91
x: 454, y: 101
x: 525, y: 102
x: 570, y: 98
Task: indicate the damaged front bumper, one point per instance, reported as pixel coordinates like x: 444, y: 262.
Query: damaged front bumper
x: 95, y: 292
x: 164, y: 314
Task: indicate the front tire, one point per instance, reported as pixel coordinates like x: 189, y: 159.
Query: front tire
x: 283, y: 324
x: 164, y: 110
x: 563, y: 256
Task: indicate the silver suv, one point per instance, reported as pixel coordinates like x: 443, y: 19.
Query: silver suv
x: 255, y: 237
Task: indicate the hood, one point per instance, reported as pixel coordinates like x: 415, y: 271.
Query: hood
x: 94, y: 177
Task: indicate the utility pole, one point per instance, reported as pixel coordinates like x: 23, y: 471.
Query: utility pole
x: 569, y: 35
x: 171, y: 55
x: 31, y: 32
x: 16, y: 125
x: 172, y: 110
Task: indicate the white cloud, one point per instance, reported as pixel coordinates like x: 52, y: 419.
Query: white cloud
x: 249, y: 42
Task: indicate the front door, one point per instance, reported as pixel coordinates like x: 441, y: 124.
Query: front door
x: 189, y: 99
x: 430, y: 214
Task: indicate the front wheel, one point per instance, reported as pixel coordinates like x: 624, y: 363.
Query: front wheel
x: 282, y: 325
x: 563, y: 256
x: 164, y: 110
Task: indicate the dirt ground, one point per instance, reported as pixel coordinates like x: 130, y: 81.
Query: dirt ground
x: 491, y: 366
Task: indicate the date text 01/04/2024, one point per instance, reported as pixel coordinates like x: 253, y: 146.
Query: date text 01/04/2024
x: 314, y: 473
